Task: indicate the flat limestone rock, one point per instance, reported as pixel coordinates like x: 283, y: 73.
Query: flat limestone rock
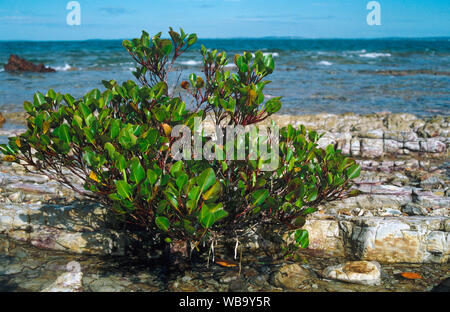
x: 359, y: 272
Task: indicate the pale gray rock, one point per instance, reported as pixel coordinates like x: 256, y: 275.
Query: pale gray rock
x: 413, y: 146
x: 372, y: 134
x: 71, y: 281
x: 433, y: 145
x: 355, y: 147
x: 393, y: 147
x: 372, y: 148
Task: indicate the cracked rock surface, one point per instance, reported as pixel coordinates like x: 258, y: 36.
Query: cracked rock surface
x: 400, y: 220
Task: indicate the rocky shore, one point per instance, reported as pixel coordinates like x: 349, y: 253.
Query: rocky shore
x: 399, y: 223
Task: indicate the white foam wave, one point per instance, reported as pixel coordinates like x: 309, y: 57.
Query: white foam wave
x: 191, y: 63
x: 357, y: 51
x: 230, y: 65
x: 274, y: 54
x: 325, y: 63
x: 2, y: 69
x: 375, y: 55
x: 66, y: 67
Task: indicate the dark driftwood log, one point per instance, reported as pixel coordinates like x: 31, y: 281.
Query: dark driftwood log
x: 15, y: 63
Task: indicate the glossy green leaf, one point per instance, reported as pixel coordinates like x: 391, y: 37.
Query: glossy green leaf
x: 259, y: 196
x: 123, y: 189
x: 162, y: 223
x: 137, y: 171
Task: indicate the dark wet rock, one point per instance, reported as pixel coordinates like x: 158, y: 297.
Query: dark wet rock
x: 412, y: 209
x: 291, y: 276
x: 444, y: 286
x: 18, y: 64
x: 237, y: 285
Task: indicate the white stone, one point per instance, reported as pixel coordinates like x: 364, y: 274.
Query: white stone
x: 359, y: 272
x: 70, y: 281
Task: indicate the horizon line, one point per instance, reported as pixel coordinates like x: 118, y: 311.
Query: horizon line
x: 241, y: 38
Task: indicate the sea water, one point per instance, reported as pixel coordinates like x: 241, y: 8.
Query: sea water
x: 312, y: 76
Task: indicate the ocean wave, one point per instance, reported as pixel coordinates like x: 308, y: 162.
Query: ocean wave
x: 2, y: 69
x: 357, y: 51
x: 325, y: 63
x: 191, y: 63
x: 66, y: 67
x: 274, y: 54
x: 230, y: 65
x: 375, y: 55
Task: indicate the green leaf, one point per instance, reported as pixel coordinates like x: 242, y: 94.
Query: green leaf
x: 28, y: 106
x: 162, y: 223
x: 182, y: 180
x: 69, y: 99
x: 63, y: 133
x: 259, y: 196
x: 312, y: 196
x: 301, y: 238
x: 273, y: 106
x: 77, y: 120
x: 123, y: 189
x: 353, y: 171
x: 111, y: 150
x: 269, y: 63
x: 209, y: 214
x: 115, y: 128
x: 194, y: 193
x: 212, y: 193
x: 38, y: 99
x: 206, y: 179
x: 240, y: 62
x: 151, y: 176
x: 172, y: 198
x: 137, y: 171
x: 89, y: 136
x: 176, y: 167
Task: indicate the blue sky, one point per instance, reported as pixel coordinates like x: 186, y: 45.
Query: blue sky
x: 114, y: 19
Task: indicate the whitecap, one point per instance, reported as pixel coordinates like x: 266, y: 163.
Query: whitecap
x: 65, y: 68
x: 357, y: 51
x: 1, y: 69
x: 191, y: 63
x: 274, y: 54
x: 375, y: 55
x: 230, y: 65
x: 325, y: 63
